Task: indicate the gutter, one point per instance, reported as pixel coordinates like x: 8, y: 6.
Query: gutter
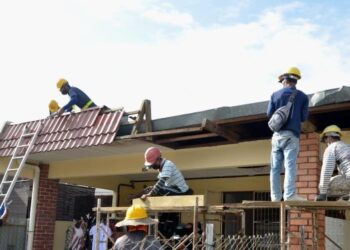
x: 35, y: 189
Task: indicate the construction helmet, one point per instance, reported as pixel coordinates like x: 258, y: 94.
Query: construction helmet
x: 151, y: 155
x: 61, y: 82
x: 136, y: 215
x: 53, y: 106
x: 136, y: 212
x: 292, y: 72
x: 332, y: 130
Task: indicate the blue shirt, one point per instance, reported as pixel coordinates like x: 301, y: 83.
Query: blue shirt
x: 298, y: 112
x: 78, y: 98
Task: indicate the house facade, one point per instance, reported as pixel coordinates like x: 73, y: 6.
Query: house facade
x: 223, y: 153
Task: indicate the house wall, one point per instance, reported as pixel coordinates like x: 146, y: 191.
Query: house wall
x: 86, y: 171
x: 60, y: 234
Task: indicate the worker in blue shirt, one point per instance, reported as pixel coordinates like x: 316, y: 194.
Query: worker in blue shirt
x: 77, y: 97
x: 285, y: 142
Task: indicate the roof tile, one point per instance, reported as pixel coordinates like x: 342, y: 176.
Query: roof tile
x: 90, y: 127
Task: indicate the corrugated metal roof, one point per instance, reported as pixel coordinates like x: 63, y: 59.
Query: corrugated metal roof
x: 90, y: 127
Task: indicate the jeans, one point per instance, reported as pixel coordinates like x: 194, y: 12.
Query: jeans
x: 285, y: 149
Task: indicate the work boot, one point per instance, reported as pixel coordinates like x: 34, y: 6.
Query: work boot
x: 321, y: 197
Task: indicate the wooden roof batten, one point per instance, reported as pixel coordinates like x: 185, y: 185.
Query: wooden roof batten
x: 206, y: 129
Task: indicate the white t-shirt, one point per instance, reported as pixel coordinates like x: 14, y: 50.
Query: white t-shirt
x: 103, y: 237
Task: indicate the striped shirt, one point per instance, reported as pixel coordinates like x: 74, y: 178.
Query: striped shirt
x: 171, y: 176
x: 336, y: 154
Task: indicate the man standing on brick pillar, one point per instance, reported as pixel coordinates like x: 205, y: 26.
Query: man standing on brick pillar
x: 285, y: 142
x: 337, y: 154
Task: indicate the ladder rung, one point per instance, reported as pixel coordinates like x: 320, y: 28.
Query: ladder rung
x: 28, y: 134
x: 17, y: 157
x: 2, y: 194
x: 23, y: 146
x: 6, y: 182
x: 12, y: 169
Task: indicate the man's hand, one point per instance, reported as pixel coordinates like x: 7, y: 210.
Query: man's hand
x: 144, y: 196
x: 60, y: 111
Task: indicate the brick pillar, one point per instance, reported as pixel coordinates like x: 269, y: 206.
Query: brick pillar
x: 46, y: 211
x: 308, y: 176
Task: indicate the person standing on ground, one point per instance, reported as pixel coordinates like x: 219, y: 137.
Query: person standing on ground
x: 105, y: 232
x: 137, y: 221
x: 285, y: 142
x: 337, y: 154
x: 170, y: 179
x: 77, y: 97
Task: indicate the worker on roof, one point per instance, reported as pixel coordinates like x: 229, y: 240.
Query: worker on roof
x: 337, y: 154
x: 285, y: 142
x: 137, y: 221
x: 53, y: 107
x: 170, y: 179
x: 77, y: 97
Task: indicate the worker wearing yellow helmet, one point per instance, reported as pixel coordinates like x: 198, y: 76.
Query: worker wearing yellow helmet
x: 53, y: 107
x: 285, y: 141
x: 337, y: 154
x: 137, y: 222
x: 77, y: 97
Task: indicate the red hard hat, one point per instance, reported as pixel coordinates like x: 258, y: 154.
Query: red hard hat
x: 151, y: 155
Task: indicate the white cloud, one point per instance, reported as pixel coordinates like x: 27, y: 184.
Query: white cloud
x: 201, y: 68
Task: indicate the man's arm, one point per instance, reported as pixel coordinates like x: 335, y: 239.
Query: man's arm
x: 155, y: 190
x: 305, y: 110
x: 73, y: 101
x: 271, y: 107
x: 328, y: 165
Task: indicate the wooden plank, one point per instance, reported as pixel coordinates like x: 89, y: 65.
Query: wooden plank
x: 226, y: 133
x: 163, y: 132
x: 186, y: 138
x: 171, y: 201
x: 327, y: 205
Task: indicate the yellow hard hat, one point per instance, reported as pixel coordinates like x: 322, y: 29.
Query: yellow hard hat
x: 53, y: 106
x: 292, y: 72
x: 61, y: 82
x: 136, y: 215
x: 136, y: 212
x: 331, y: 129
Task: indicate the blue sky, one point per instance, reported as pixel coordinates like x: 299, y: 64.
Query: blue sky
x: 185, y: 56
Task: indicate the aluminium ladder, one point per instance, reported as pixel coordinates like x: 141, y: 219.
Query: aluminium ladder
x: 25, y: 142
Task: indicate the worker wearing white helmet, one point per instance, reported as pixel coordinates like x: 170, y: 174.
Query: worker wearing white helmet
x: 285, y: 142
x: 337, y: 154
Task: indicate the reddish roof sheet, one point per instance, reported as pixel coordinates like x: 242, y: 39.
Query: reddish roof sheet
x: 90, y: 127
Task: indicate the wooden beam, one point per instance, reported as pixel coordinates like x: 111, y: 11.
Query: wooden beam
x: 178, y: 201
x: 226, y: 133
x: 163, y: 132
x: 186, y: 138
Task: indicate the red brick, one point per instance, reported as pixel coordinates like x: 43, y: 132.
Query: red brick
x: 302, y: 160
x: 307, y: 190
x: 314, y: 136
x: 298, y: 222
x: 307, y: 178
x: 312, y: 184
x: 307, y: 165
x: 308, y: 142
x: 308, y: 153
x: 315, y: 147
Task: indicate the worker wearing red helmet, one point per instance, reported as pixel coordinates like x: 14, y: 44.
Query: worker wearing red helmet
x: 170, y: 179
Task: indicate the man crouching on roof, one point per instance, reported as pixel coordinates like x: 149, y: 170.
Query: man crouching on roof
x: 170, y: 179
